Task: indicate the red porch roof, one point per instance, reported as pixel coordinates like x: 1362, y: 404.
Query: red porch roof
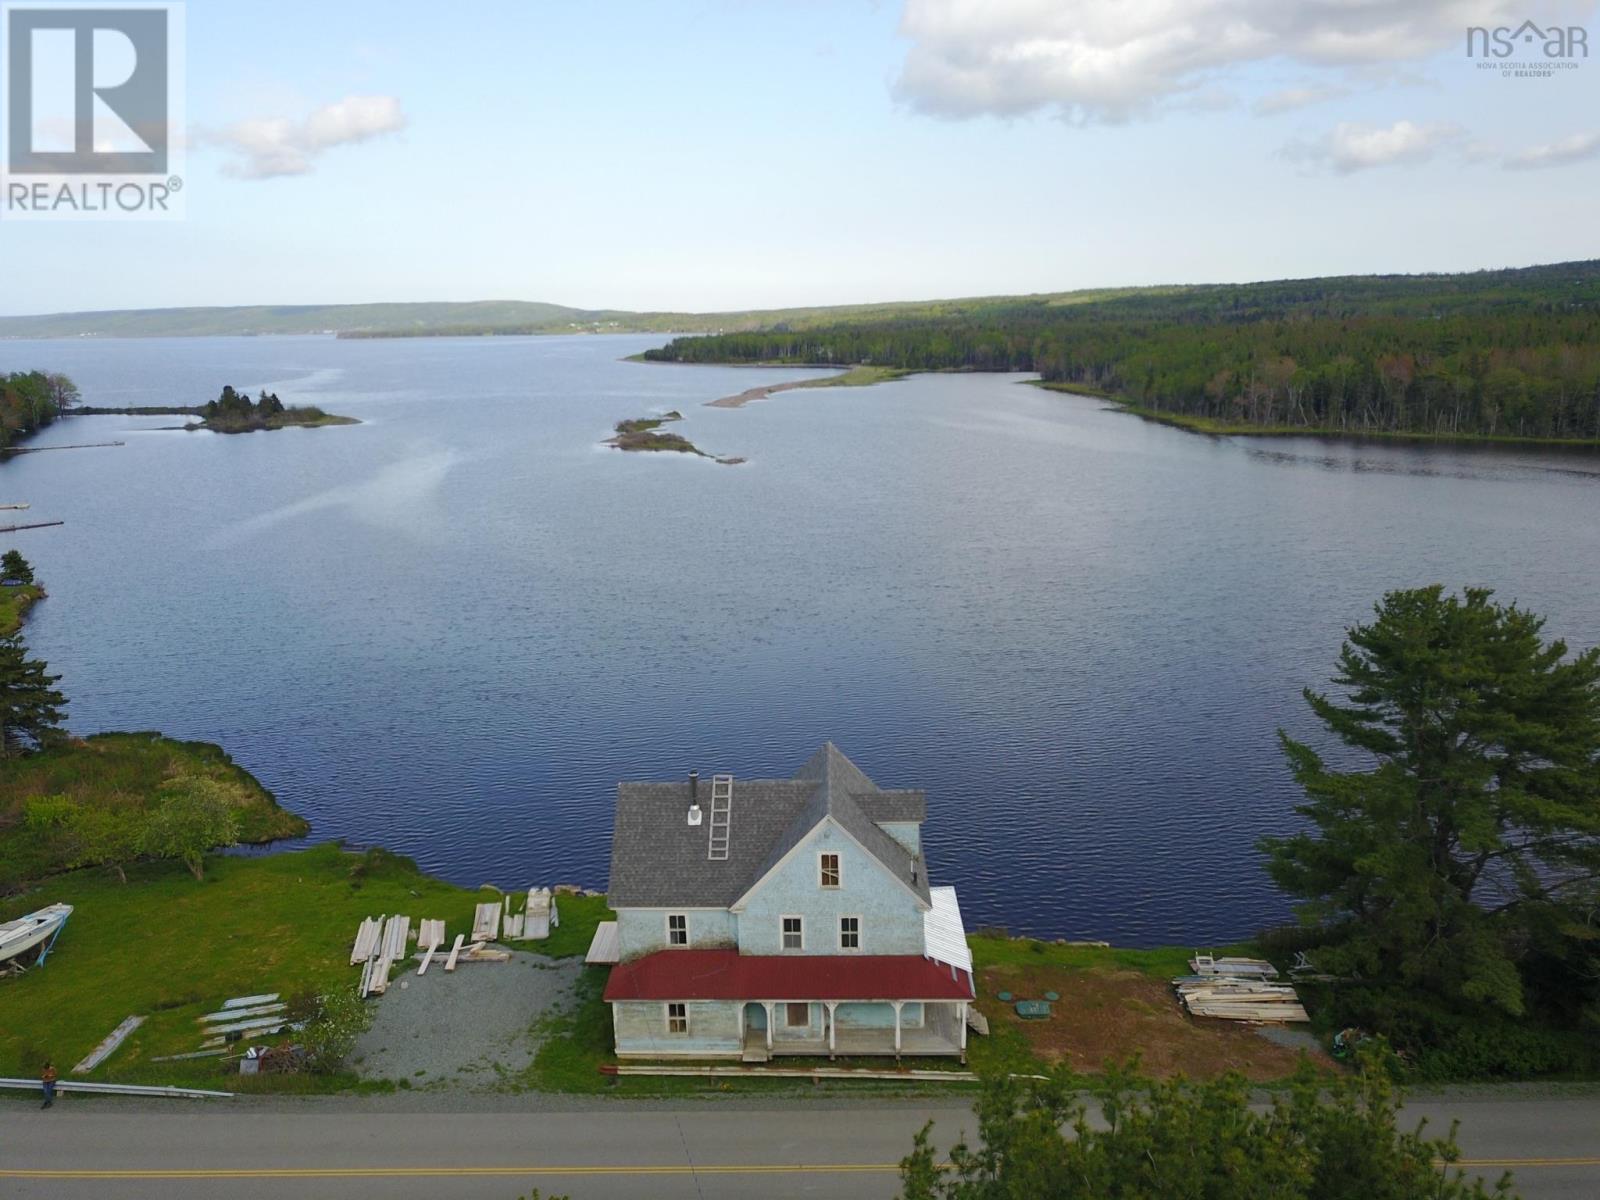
x: 729, y: 975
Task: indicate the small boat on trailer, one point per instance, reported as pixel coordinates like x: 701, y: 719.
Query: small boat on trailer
x: 36, y: 931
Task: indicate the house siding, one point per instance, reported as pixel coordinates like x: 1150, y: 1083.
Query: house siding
x: 640, y: 1027
x: 891, y: 918
x: 642, y: 931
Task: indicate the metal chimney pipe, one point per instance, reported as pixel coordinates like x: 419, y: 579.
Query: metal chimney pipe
x: 694, y: 787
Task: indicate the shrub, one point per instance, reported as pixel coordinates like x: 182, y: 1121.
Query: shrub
x: 341, y: 1017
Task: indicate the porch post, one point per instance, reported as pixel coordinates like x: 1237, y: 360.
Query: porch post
x: 961, y: 1015
x: 767, y: 1004
x: 830, y: 1006
x: 897, y: 1004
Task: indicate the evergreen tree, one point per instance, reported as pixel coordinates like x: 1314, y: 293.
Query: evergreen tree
x: 31, y: 709
x: 14, y: 568
x: 1472, y: 838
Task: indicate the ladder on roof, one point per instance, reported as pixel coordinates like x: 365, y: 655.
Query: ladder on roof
x: 721, y: 816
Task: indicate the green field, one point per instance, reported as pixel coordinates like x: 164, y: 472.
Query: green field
x: 171, y: 949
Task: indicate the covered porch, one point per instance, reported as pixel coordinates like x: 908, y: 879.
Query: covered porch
x: 831, y: 1028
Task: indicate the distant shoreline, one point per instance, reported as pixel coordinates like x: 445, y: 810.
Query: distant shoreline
x: 1212, y: 427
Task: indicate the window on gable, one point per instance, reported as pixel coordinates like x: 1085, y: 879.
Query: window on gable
x: 794, y: 937
x: 829, y: 870
x: 849, y: 933
x: 677, y: 929
x: 677, y: 1018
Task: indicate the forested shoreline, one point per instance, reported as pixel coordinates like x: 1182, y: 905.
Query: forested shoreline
x: 30, y: 400
x: 1492, y: 354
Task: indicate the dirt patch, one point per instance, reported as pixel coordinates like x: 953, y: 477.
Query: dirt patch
x: 1114, y: 1014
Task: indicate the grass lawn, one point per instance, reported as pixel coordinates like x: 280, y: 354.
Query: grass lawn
x: 123, y: 770
x: 171, y: 949
x: 14, y: 605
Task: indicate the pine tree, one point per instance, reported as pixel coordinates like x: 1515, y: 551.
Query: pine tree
x: 1473, y: 835
x: 31, y: 709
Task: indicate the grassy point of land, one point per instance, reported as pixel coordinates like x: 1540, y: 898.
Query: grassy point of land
x: 120, y: 771
x: 857, y: 376
x: 14, y: 605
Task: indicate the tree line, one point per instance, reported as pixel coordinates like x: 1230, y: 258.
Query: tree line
x: 1508, y: 353
x: 30, y: 400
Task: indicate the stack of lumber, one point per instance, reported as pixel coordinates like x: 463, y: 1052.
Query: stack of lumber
x: 1233, y: 968
x: 1239, y: 999
x: 257, y: 1016
x: 430, y: 934
x: 541, y: 915
x: 389, y: 945
x: 486, y: 922
x: 366, y: 940
x: 512, y: 921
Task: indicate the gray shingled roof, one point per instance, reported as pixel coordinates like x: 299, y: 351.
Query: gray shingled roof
x: 658, y: 859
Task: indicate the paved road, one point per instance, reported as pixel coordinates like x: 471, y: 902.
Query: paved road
x: 708, y: 1152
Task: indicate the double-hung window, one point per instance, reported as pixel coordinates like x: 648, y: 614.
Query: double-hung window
x: 677, y: 1018
x: 794, y: 933
x: 828, y: 870
x: 677, y: 929
x: 849, y: 933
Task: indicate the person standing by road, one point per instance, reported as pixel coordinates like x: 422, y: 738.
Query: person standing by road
x: 47, y: 1081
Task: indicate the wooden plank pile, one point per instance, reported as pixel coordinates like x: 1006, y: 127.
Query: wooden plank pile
x: 385, y: 941
x: 541, y: 916
x: 486, y: 922
x: 256, y: 1016
x: 1239, y: 999
x: 366, y: 940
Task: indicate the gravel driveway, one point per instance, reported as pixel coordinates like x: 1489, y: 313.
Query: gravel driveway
x: 464, y: 1029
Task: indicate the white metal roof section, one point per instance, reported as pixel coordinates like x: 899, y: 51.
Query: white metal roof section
x: 607, y: 946
x: 944, y: 937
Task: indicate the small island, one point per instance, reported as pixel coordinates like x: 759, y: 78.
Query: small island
x: 233, y: 412
x: 645, y: 433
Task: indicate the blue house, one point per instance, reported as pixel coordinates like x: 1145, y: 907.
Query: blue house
x: 763, y: 917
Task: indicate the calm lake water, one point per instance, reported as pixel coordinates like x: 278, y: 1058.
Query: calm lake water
x: 452, y: 629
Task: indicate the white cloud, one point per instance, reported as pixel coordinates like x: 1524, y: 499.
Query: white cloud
x: 1356, y: 147
x: 1559, y: 153
x: 272, y: 146
x: 1111, y: 60
x: 1289, y: 99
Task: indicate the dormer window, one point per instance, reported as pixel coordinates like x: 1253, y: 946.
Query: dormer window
x: 828, y: 869
x: 677, y: 929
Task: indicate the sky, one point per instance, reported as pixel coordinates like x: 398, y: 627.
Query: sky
x: 728, y: 155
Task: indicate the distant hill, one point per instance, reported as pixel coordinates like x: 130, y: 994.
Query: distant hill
x: 482, y: 317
